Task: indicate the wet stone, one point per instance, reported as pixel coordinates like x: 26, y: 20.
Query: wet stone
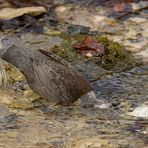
x: 143, y: 70
x: 91, y: 71
x: 7, y: 119
x: 124, y: 85
x: 74, y: 29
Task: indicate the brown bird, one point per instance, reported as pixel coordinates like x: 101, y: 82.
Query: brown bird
x: 47, y: 74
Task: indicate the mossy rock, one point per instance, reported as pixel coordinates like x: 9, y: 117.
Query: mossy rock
x: 115, y: 57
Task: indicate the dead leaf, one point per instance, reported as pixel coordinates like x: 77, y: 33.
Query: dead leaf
x: 90, y: 47
x: 10, y: 13
x: 119, y: 7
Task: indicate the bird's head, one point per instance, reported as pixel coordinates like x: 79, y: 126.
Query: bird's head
x: 9, y: 41
x: 5, y: 43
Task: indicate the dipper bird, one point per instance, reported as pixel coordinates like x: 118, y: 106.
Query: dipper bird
x: 47, y: 74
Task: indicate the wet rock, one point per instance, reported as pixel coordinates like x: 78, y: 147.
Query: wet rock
x: 10, y: 13
x: 19, y: 86
x: 40, y: 41
x: 143, y: 70
x: 130, y: 85
x: 34, y: 41
x: 102, y: 106
x: 143, y: 55
x: 7, y: 119
x: 109, y: 88
x: 91, y: 71
x: 81, y: 16
x: 140, y: 111
x: 23, y: 3
x: 93, y: 143
x: 139, y: 129
x: 74, y: 29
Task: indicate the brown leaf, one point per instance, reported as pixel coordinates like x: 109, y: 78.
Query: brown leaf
x: 90, y: 47
x: 119, y: 7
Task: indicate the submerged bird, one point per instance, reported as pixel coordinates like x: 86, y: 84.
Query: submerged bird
x: 47, y: 74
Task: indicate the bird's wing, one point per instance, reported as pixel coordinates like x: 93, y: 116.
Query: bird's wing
x: 55, y: 58
x: 48, y: 81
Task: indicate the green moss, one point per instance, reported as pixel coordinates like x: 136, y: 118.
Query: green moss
x: 66, y: 50
x: 115, y: 57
